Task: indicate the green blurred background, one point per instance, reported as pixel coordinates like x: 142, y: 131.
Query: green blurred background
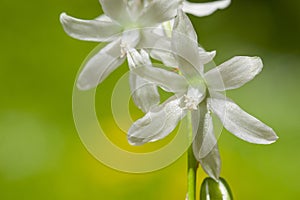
x: 41, y: 155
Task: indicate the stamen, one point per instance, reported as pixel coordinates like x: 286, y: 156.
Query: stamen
x: 124, y: 49
x: 191, y: 103
x: 192, y: 99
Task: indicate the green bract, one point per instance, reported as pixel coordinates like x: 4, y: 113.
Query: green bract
x: 215, y: 190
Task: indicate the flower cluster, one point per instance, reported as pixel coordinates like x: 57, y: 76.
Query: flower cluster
x: 138, y: 30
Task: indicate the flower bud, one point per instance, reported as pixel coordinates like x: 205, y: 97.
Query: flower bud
x: 213, y: 190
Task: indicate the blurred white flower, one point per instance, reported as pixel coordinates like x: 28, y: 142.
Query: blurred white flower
x: 200, y: 93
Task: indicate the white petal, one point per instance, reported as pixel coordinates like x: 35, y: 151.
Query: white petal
x: 240, y: 123
x: 159, y: 46
x: 211, y: 164
x: 196, y: 116
x: 234, y: 73
x: 169, y: 81
x: 99, y: 66
x: 91, y: 30
x: 185, y: 46
x: 136, y: 59
x: 135, y: 8
x: 117, y: 10
x: 166, y: 57
x: 156, y: 124
x: 182, y: 24
x: 144, y: 94
x: 206, y: 57
x: 104, y: 18
x: 204, y: 9
x: 205, y: 139
x: 154, y: 38
x: 158, y: 11
x: 202, y: 128
x: 205, y: 146
x: 129, y: 40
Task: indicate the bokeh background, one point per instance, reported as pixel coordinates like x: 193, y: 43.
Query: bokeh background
x: 41, y: 155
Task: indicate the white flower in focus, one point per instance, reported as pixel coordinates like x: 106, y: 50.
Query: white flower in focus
x: 121, y: 25
x: 201, y: 94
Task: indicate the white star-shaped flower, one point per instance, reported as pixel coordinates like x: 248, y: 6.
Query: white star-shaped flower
x: 201, y: 94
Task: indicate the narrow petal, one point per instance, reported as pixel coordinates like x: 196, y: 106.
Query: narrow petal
x: 185, y: 47
x: 99, y: 66
x: 205, y: 146
x: 204, y: 9
x: 205, y: 139
x: 129, y: 40
x: 240, y: 123
x: 135, y: 8
x: 90, y: 30
x: 169, y: 81
x: 156, y: 124
x: 234, y: 73
x: 211, y: 164
x: 166, y: 57
x: 158, y: 11
x: 117, y: 10
x: 144, y: 94
x: 159, y: 45
x: 184, y: 26
x: 154, y: 38
x: 206, y: 57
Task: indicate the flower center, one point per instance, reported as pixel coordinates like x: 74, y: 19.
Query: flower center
x: 193, y: 97
x: 191, y: 102
x: 124, y: 48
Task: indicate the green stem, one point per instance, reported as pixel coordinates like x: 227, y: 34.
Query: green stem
x: 192, y: 163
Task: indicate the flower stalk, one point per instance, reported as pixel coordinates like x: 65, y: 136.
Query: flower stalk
x: 192, y: 163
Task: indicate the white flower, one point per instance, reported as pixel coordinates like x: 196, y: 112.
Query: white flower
x: 122, y: 26
x: 201, y: 94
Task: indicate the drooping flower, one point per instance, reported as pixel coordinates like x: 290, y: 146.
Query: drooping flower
x: 201, y: 94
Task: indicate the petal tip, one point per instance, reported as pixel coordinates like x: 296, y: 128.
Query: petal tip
x: 273, y: 139
x: 63, y: 17
x: 82, y: 85
x: 133, y: 141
